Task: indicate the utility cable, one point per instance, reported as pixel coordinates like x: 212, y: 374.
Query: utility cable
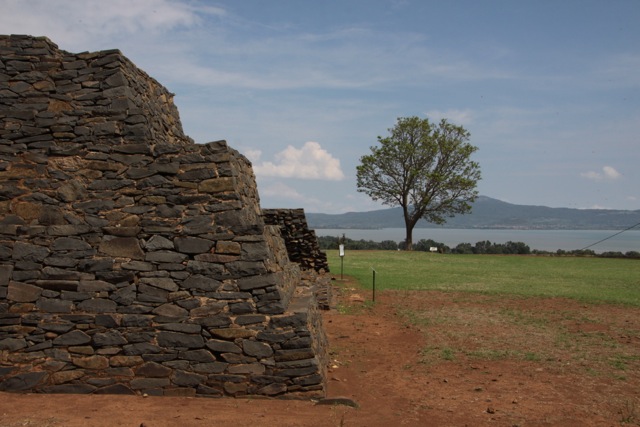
x: 613, y: 235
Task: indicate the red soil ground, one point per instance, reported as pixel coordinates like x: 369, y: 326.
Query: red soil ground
x: 379, y: 361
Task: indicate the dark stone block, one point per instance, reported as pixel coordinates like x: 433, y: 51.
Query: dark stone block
x: 5, y: 273
x: 271, y: 308
x: 39, y: 347
x: 200, y: 356
x: 98, y: 305
x: 22, y: 382
x: 149, y: 383
x: 136, y: 321
x: 57, y: 229
x: 205, y: 268
x: 197, y: 174
x: 29, y: 252
x: 13, y: 344
x: 70, y: 389
x: 241, y: 308
x: 125, y: 296
x: 93, y: 265
x: 209, y: 391
x: 218, y: 321
x: 141, y: 349
x: 267, y: 379
x: 289, y: 321
x: 23, y: 292
x: 170, y: 312
x: 254, y: 282
x: 201, y: 283
x: 78, y: 318
x: 157, y: 242
x: 153, y: 370
x: 308, y: 380
x: 164, y: 283
x: 152, y: 294
x: 298, y: 342
x: 192, y: 245
x: 70, y: 244
x: 74, y: 296
x: 201, y: 224
x: 188, y: 304
x: 106, y: 320
x: 135, y: 309
x: 23, y: 276
x: 229, y: 295
x: 95, y: 286
x: 124, y: 247
x: 137, y: 336
x: 120, y: 389
x: 187, y: 379
x: 57, y: 326
x: 221, y: 346
x: 72, y: 338
x: 58, y: 285
x: 257, y: 349
x: 165, y: 256
x: 272, y: 389
x: 296, y: 372
x: 61, y: 262
x: 53, y: 273
x: 255, y: 251
x: 109, y: 338
x: 177, y: 339
x: 275, y: 337
x: 117, y: 276
x: 138, y: 266
x: 50, y: 305
x: 4, y: 371
x: 187, y: 328
x: 246, y: 268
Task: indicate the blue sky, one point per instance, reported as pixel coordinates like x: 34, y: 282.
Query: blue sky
x: 549, y: 90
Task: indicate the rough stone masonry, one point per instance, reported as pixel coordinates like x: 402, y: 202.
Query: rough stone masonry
x: 133, y: 260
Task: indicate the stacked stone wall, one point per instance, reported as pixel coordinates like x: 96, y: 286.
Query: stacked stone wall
x: 133, y: 260
x: 301, y: 242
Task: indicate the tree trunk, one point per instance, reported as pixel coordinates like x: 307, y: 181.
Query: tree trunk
x: 409, y: 239
x: 409, y: 223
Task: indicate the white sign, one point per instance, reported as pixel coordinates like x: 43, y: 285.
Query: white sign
x: 341, y: 247
x: 433, y: 249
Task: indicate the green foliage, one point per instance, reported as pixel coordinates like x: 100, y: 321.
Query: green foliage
x: 329, y: 243
x: 424, y: 168
x: 591, y: 279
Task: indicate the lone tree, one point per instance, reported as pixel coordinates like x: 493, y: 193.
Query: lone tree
x: 424, y: 168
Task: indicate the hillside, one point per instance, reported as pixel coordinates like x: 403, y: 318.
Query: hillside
x: 489, y: 213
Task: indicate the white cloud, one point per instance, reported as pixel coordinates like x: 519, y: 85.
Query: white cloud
x: 79, y: 25
x: 281, y: 191
x: 457, y: 117
x: 281, y: 195
x: 252, y: 154
x: 611, y: 173
x: 608, y: 173
x: 309, y: 162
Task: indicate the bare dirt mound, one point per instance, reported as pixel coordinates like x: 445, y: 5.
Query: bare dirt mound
x: 416, y: 359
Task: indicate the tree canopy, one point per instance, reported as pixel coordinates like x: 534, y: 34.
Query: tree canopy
x: 424, y: 168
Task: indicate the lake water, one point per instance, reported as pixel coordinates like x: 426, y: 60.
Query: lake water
x: 544, y: 240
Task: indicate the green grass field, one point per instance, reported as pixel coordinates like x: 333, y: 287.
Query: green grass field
x: 594, y: 280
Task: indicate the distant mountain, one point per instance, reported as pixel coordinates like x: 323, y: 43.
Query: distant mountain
x: 489, y: 213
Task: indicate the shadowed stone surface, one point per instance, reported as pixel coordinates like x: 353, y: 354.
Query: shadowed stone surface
x: 133, y: 260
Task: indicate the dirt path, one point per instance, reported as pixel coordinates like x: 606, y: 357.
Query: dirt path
x: 379, y: 361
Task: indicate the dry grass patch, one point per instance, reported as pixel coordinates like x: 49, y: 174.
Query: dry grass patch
x: 562, y: 335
